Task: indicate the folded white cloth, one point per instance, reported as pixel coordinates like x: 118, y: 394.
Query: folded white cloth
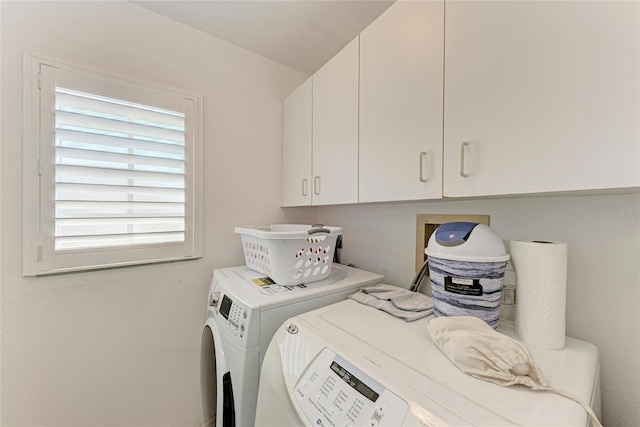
x: 480, y: 351
x: 413, y: 301
x: 399, y: 302
x: 384, y: 292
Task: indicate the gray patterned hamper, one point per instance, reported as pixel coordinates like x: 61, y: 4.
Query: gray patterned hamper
x: 466, y: 268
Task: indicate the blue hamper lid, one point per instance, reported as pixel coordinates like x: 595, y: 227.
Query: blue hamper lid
x: 466, y: 241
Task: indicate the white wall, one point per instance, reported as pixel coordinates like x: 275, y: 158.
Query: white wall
x: 121, y: 347
x: 603, y: 289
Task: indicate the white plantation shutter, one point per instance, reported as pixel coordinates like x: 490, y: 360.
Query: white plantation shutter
x: 111, y: 154
x: 118, y: 177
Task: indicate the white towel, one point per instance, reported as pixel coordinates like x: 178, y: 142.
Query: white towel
x: 399, y: 302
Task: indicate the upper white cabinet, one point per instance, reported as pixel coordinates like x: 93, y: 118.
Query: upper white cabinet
x: 296, y: 146
x: 489, y: 98
x: 541, y: 97
x: 335, y: 129
x: 401, y: 73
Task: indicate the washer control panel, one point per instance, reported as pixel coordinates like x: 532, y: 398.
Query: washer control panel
x: 333, y: 392
x: 231, y: 315
x: 234, y: 314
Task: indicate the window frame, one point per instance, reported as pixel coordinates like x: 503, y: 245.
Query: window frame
x: 39, y: 254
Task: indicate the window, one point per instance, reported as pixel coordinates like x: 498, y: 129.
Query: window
x: 112, y: 172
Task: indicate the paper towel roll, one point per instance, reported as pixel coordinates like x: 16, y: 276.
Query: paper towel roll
x: 541, y: 272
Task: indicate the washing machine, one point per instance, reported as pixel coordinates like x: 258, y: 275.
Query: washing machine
x: 245, y: 309
x: 349, y: 364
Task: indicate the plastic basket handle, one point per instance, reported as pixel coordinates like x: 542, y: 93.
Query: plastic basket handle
x: 318, y: 228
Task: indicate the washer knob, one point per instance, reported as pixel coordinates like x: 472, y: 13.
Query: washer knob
x: 214, y: 298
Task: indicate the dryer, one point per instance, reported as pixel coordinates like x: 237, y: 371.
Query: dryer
x: 349, y: 364
x: 245, y: 309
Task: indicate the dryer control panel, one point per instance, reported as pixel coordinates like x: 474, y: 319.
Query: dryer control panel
x: 333, y: 392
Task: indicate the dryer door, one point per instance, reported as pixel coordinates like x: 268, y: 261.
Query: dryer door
x: 216, y: 391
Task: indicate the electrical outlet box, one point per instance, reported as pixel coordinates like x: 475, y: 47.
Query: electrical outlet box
x: 509, y: 295
x: 426, y: 224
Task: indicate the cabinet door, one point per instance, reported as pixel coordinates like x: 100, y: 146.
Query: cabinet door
x: 401, y: 60
x: 296, y: 147
x: 541, y: 96
x: 335, y: 129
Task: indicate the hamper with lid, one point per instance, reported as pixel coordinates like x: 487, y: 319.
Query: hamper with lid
x: 466, y: 267
x: 290, y: 254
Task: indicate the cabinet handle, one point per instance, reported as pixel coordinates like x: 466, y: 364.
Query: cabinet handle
x: 316, y: 185
x: 423, y: 155
x: 304, y: 187
x: 462, y: 147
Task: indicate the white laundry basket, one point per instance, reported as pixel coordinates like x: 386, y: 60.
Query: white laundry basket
x: 290, y: 254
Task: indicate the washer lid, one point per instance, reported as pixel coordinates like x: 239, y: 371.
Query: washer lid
x: 406, y: 351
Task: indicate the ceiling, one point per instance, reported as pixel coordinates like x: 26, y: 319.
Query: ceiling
x: 301, y: 34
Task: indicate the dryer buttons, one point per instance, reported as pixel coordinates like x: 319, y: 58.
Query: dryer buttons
x: 379, y: 411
